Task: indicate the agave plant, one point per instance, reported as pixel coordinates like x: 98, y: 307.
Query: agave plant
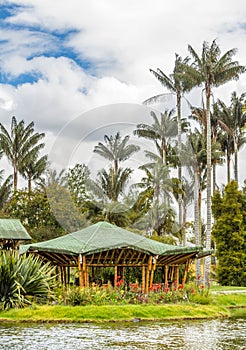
x: 22, y: 278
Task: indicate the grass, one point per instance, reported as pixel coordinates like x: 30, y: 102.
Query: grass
x: 221, y: 305
x: 114, y: 313
x: 218, y: 288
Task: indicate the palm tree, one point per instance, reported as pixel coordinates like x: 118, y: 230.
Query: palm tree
x: 199, y: 114
x: 232, y: 119
x: 161, y: 131
x: 193, y: 155
x: 178, y: 85
x: 116, y: 149
x: 33, y: 170
x: 21, y: 145
x: 112, y: 184
x: 212, y: 70
x: 5, y: 190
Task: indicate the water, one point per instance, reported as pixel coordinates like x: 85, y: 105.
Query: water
x: 186, y: 335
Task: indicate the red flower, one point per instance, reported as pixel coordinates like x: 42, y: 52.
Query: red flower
x: 202, y: 287
x: 192, y: 291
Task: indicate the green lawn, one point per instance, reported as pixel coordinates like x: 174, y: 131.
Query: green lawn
x: 222, y: 305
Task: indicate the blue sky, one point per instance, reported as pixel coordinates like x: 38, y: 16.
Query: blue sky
x: 60, y: 60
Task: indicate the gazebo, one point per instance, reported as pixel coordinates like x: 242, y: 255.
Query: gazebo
x: 106, y: 245
x: 12, y: 233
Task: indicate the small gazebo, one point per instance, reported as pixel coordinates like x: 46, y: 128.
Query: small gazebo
x: 106, y: 245
x: 12, y: 233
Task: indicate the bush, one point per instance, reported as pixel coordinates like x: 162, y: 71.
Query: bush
x: 23, y: 278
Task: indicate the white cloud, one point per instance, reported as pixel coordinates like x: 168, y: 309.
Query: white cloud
x: 117, y: 42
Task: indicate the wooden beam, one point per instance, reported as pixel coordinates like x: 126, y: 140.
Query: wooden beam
x: 119, y: 256
x: 85, y: 272
x: 81, y: 280
x: 143, y: 278
x: 166, y: 276
x: 187, y: 265
x: 176, y: 275
x: 115, y: 274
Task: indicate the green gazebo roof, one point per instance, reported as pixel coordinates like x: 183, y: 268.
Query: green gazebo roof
x: 103, y: 236
x: 12, y: 229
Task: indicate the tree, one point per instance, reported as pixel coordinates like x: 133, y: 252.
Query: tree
x: 109, y: 185
x: 178, y: 85
x: 5, y: 190
x: 233, y: 120
x: 116, y: 149
x: 76, y: 179
x: 21, y: 145
x: 229, y: 232
x: 161, y: 131
x: 193, y: 155
x: 212, y: 70
x: 33, y: 170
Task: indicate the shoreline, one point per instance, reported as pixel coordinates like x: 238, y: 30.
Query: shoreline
x: 120, y: 313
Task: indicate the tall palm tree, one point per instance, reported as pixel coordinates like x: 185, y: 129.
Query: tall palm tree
x: 193, y: 155
x: 161, y: 131
x: 21, y: 145
x: 232, y: 119
x: 177, y: 84
x: 112, y: 184
x: 200, y: 115
x: 34, y: 169
x: 116, y: 149
x: 212, y: 70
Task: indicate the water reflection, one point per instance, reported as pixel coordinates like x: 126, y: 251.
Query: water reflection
x: 188, y: 335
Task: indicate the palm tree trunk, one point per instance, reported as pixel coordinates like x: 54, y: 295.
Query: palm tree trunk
x: 236, y: 163
x: 214, y: 177
x: 196, y: 221
x: 179, y: 165
x: 207, y: 263
x: 184, y: 242
x: 29, y: 185
x: 15, y: 179
x: 228, y: 166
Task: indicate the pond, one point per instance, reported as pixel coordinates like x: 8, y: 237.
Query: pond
x: 186, y: 335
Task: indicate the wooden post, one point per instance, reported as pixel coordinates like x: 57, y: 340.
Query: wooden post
x: 176, y: 278
x: 85, y: 272
x: 172, y: 272
x: 149, y: 268
x: 61, y: 274
x: 68, y: 275
x: 143, y: 279
x: 64, y: 275
x: 187, y: 265
x: 152, y: 271
x: 81, y: 283
x: 115, y: 275
x: 166, y: 276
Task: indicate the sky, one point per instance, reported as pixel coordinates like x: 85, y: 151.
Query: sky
x: 80, y: 69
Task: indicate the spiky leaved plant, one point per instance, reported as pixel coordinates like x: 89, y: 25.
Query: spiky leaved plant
x: 22, y: 278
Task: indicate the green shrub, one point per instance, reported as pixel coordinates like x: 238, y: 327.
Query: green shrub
x: 23, y: 278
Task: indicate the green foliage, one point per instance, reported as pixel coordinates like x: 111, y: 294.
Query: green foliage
x: 64, y: 209
x: 131, y: 294
x: 22, y: 278
x: 230, y: 235
x: 33, y: 210
x: 76, y: 180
